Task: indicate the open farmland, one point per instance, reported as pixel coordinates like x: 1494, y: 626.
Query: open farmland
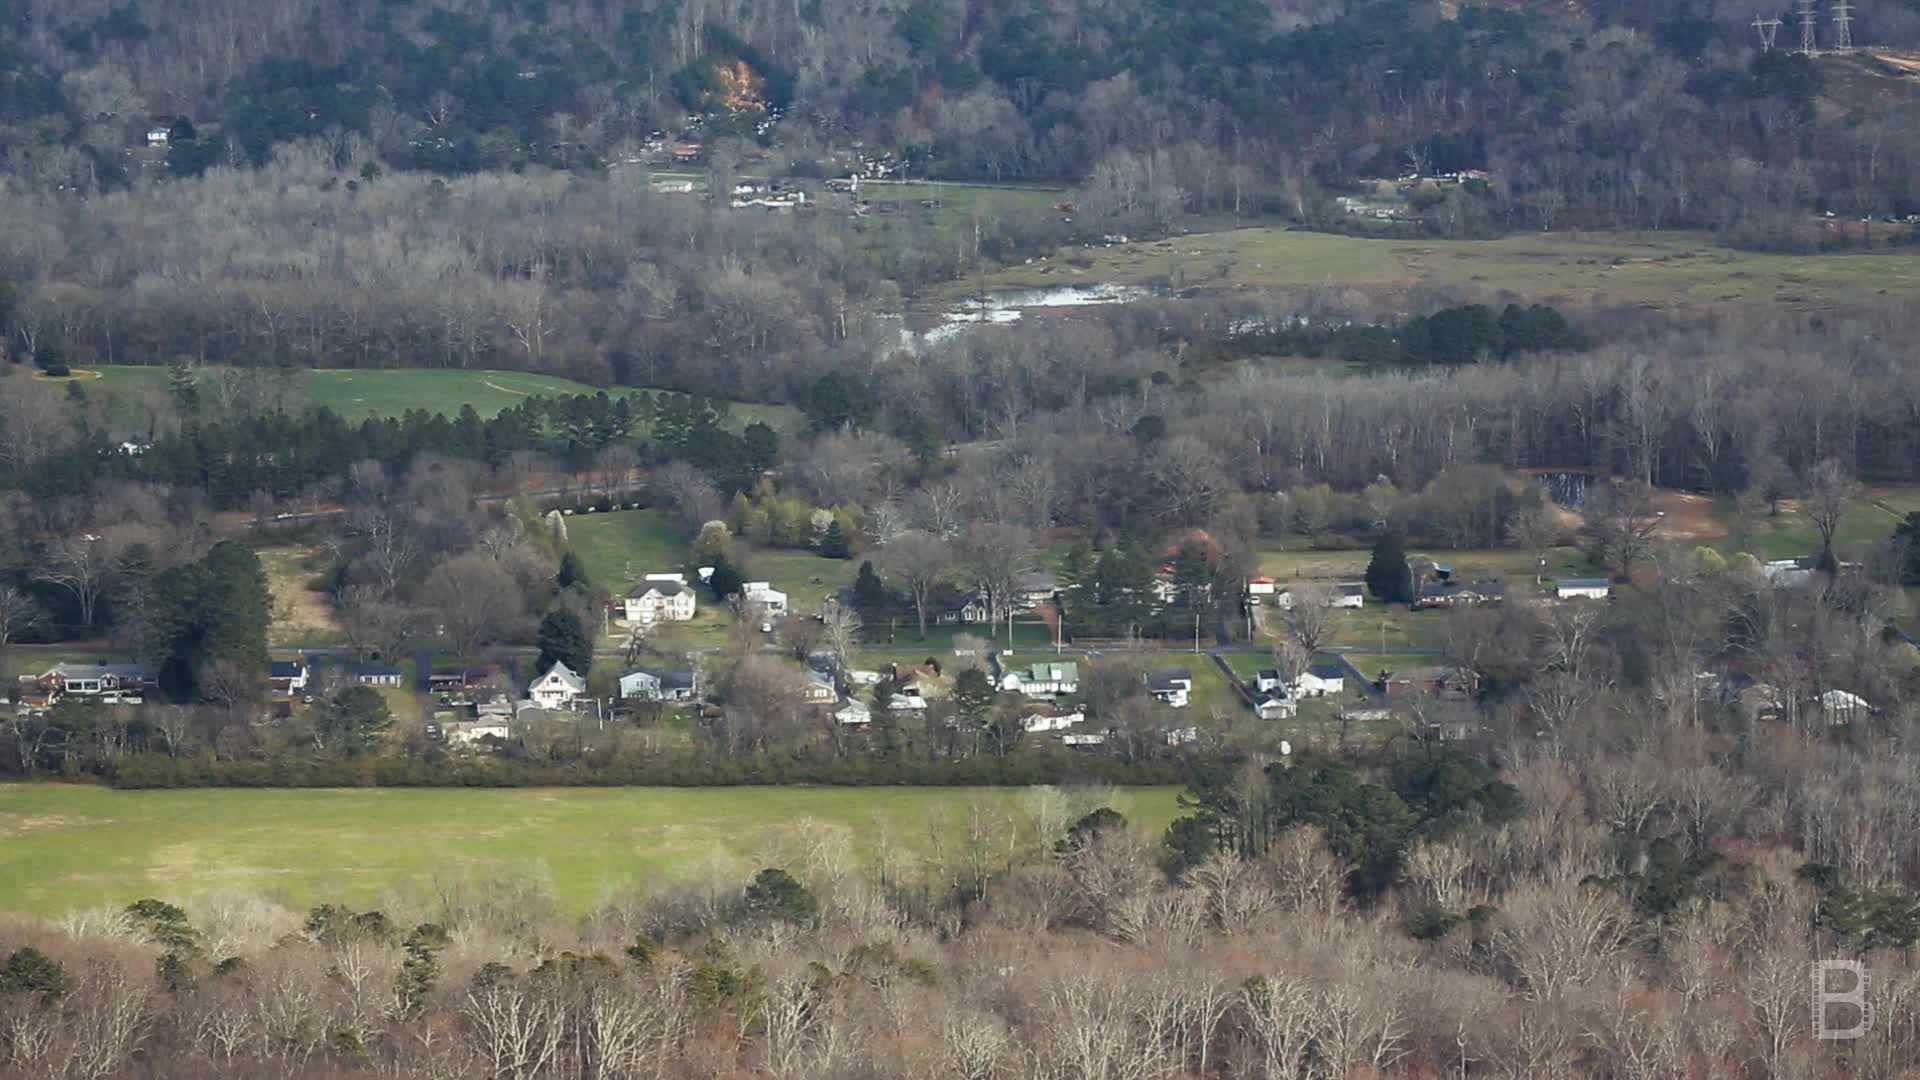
x: 1662, y: 270
x: 64, y: 848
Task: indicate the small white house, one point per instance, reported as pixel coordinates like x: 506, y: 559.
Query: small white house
x: 1322, y: 678
x: 1582, y: 588
x: 1262, y: 590
x: 466, y: 733
x: 657, y: 684
x: 1269, y: 681
x: 558, y: 688
x: 764, y: 594
x: 1276, y: 708
x: 654, y: 601
x: 159, y: 135
x: 1174, y: 686
x: 853, y: 713
x: 1348, y: 596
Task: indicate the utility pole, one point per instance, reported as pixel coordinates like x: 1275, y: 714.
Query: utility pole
x: 1842, y: 26
x: 1808, y: 45
x: 1769, y: 28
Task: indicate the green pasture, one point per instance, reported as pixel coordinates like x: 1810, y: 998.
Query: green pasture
x: 1666, y: 270
x: 67, y: 847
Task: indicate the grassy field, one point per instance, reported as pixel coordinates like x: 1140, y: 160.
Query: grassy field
x: 64, y: 848
x: 806, y: 578
x: 1668, y: 270
x: 1286, y: 561
x: 959, y: 202
x: 1869, y: 521
x: 620, y: 548
x: 356, y: 394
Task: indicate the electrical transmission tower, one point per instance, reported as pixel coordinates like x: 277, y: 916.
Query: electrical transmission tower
x: 1769, y: 29
x: 1842, y: 26
x: 1808, y: 45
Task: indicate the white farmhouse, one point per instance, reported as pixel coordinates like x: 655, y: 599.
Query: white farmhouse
x: 654, y: 601
x: 558, y: 688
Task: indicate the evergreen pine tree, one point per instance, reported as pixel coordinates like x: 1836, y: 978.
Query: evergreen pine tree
x: 833, y: 544
x: 564, y: 640
x: 1388, y: 577
x: 572, y: 571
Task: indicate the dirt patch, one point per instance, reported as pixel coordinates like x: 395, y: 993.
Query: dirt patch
x: 299, y: 613
x: 1686, y: 517
x: 71, y: 375
x: 21, y: 824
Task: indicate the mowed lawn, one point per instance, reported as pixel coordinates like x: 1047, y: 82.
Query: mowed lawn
x: 64, y: 847
x: 1669, y: 270
x: 391, y: 392
x: 623, y: 547
x: 1869, y: 522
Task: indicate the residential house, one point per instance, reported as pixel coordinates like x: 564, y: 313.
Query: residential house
x: 1843, y: 707
x: 1035, y: 587
x: 1269, y: 681
x: 654, y: 601
x: 376, y: 675
x: 818, y: 689
x: 1044, y: 718
x: 853, y: 713
x: 658, y: 684
x: 559, y: 688
x: 1084, y: 738
x: 159, y: 135
x: 1262, y: 590
x: 96, y: 680
x: 1047, y: 678
x: 964, y: 608
x: 467, y: 733
x: 1174, y: 686
x: 1323, y: 677
x: 1276, y: 707
x: 1448, y: 593
x: 1349, y: 596
x: 1447, y: 682
x: 764, y: 594
x: 287, y: 676
x: 1582, y: 588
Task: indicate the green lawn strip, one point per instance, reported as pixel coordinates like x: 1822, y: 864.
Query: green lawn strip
x: 64, y: 848
x: 390, y: 392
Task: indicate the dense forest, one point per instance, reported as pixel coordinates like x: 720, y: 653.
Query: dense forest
x: 1603, y: 112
